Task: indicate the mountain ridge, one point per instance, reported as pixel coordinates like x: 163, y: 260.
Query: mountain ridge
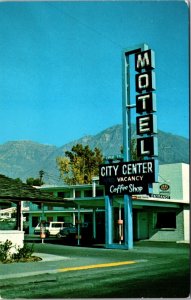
x: 24, y: 159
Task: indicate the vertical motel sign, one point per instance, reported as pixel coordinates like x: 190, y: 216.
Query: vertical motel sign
x: 146, y: 123
x: 136, y: 177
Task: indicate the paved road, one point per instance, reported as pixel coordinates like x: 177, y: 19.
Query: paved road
x: 150, y: 269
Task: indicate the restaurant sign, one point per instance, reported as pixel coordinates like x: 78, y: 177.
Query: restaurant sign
x: 127, y: 177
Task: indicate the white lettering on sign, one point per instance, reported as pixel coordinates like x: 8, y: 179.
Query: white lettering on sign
x: 143, y: 99
x: 137, y: 168
x: 142, y: 148
x: 143, y: 124
x: 109, y: 170
x: 135, y: 189
x: 142, y: 61
x: 120, y: 188
x: 130, y: 178
x: 146, y: 146
x: 143, y: 81
x: 146, y: 103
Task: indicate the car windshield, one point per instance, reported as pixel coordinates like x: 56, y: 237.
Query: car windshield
x: 56, y: 225
x: 68, y: 225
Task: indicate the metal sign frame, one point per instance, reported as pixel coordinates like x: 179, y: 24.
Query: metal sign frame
x: 127, y: 106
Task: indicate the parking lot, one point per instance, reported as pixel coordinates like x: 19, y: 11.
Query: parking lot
x: 150, y: 269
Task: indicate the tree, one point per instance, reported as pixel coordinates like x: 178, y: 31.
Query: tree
x: 18, y: 180
x: 133, y: 150
x: 79, y: 165
x: 34, y: 181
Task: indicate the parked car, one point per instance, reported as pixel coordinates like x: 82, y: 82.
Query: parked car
x: 67, y: 231
x: 49, y: 228
x: 72, y: 230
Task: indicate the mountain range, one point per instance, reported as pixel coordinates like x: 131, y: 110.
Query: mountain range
x: 24, y: 159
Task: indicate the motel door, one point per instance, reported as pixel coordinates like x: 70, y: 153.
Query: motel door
x: 143, y: 225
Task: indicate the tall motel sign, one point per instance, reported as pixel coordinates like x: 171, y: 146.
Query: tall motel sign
x: 128, y: 177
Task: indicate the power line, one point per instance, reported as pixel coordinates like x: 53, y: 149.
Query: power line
x: 86, y: 26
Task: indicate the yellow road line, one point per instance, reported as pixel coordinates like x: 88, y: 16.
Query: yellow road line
x: 106, y: 265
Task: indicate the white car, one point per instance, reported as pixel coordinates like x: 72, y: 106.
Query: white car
x: 49, y: 228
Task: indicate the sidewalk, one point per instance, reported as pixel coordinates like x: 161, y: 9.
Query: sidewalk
x: 23, y: 269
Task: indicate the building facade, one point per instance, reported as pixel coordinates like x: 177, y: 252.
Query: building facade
x: 160, y: 216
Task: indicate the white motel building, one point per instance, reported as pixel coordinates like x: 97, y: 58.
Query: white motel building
x: 163, y: 215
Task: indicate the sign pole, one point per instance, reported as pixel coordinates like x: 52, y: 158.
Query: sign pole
x: 108, y: 221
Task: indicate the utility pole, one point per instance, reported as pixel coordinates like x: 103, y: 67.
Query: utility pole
x: 41, y: 174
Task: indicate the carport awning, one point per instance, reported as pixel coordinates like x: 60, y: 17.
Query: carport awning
x: 99, y: 202
x: 12, y: 190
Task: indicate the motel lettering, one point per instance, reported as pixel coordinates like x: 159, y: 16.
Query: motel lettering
x: 146, y: 124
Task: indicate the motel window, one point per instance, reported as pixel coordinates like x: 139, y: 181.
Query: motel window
x: 60, y: 219
x: 77, y: 194
x: 61, y: 194
x: 34, y: 221
x: 99, y: 192
x: 64, y: 194
x: 67, y: 194
x: 166, y: 220
x: 88, y: 193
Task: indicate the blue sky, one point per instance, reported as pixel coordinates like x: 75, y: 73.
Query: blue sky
x: 61, y: 68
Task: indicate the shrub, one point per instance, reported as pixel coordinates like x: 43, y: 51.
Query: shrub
x: 5, y: 250
x: 25, y: 252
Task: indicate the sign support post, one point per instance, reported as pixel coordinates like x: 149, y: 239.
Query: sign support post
x: 108, y: 221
